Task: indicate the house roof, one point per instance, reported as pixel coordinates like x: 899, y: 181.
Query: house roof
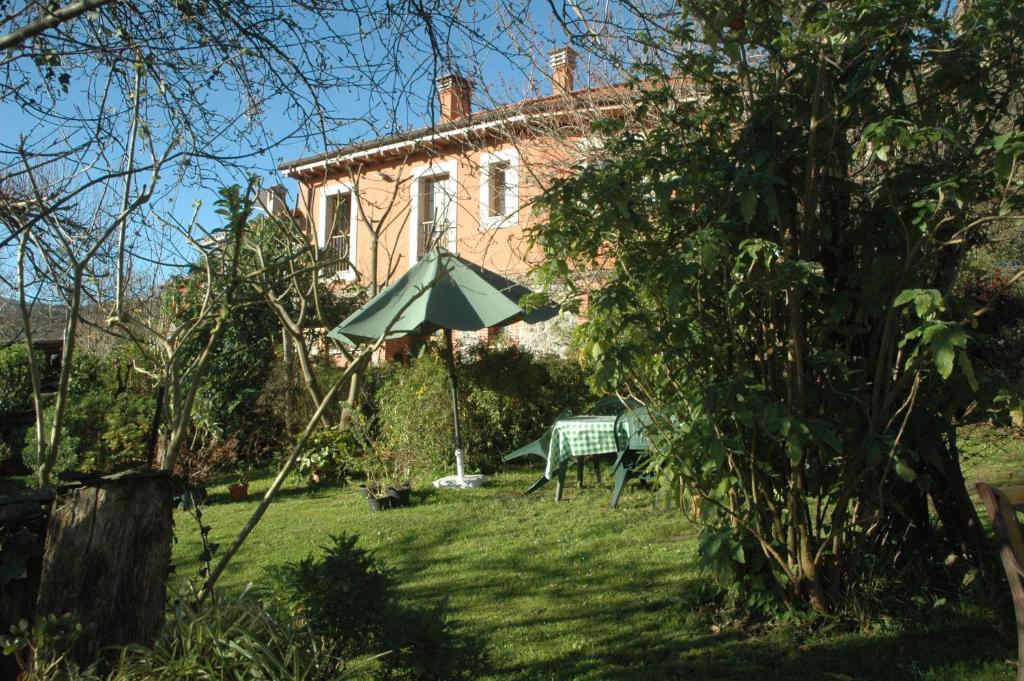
x: 480, y: 122
x: 47, y: 322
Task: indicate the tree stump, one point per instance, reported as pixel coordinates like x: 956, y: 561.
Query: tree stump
x: 107, y: 558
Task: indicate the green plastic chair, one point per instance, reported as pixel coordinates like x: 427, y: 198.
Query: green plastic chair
x: 632, y: 443
x: 538, y: 447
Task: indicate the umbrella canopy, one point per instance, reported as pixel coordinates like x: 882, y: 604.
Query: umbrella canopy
x: 441, y: 291
x: 515, y: 292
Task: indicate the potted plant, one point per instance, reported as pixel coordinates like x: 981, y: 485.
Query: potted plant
x: 387, y: 480
x: 239, y: 490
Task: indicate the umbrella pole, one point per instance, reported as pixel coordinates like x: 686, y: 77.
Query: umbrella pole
x: 454, y: 383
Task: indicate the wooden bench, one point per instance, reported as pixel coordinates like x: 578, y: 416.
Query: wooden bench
x: 1002, y: 505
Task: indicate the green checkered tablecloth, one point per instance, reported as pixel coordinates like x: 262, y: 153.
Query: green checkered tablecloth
x: 579, y: 436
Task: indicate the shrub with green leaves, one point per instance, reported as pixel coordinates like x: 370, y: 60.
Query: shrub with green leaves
x: 510, y: 395
x: 415, y: 415
x: 506, y: 396
x: 106, y: 420
x: 238, y: 367
x: 79, y: 436
x: 15, y: 381
x: 341, y: 595
x: 334, y: 453
x: 346, y: 599
x: 234, y: 637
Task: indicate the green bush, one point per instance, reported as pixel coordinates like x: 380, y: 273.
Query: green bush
x: 346, y: 599
x: 340, y: 596
x: 77, y: 436
x: 511, y: 395
x: 414, y: 413
x: 233, y: 638
x: 125, y: 432
x: 230, y: 638
x: 507, y: 396
x: 89, y: 373
x: 106, y: 421
x: 239, y: 366
x: 15, y: 381
x: 283, y: 406
x: 333, y: 453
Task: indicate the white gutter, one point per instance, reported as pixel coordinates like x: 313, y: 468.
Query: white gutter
x: 398, y: 146
x: 430, y: 138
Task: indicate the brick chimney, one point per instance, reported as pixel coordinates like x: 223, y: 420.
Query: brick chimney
x: 273, y: 200
x: 455, y: 93
x: 563, y: 67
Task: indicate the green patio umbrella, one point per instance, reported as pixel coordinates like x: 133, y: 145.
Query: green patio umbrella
x: 440, y: 292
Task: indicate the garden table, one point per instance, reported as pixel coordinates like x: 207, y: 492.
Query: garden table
x: 579, y: 436
x: 574, y: 438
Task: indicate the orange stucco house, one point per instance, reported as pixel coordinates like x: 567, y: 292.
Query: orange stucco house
x: 465, y: 184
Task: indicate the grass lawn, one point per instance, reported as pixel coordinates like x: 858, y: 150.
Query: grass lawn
x: 989, y: 454
x: 574, y: 590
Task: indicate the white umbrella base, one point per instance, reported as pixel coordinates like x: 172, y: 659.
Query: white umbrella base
x: 454, y: 481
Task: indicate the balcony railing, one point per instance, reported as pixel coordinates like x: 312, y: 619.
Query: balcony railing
x: 433, y: 234
x: 335, y: 255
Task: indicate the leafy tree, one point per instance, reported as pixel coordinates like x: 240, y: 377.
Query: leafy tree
x: 780, y: 247
x: 240, y: 361
x: 15, y: 383
x: 290, y: 276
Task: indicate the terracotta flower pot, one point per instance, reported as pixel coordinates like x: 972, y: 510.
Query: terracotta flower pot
x: 239, y: 491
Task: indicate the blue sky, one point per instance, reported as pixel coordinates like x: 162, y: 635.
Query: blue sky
x: 505, y: 57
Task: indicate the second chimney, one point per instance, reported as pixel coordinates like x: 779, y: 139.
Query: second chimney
x: 563, y: 67
x: 455, y: 93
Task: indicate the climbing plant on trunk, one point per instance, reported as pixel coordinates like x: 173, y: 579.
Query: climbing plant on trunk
x: 780, y: 247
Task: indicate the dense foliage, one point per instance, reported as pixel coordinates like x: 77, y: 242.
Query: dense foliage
x: 239, y: 364
x: 507, y: 395
x: 781, y: 246
x: 108, y: 415
x: 346, y: 599
x: 414, y: 415
x: 511, y: 395
x: 1000, y: 331
x: 236, y: 637
x: 335, y: 453
x: 15, y: 382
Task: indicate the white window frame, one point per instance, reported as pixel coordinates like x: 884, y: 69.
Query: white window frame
x: 511, y: 216
x: 418, y: 174
x: 326, y: 192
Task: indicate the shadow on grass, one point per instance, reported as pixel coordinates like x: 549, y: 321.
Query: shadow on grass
x: 619, y: 626
x: 650, y: 655
x: 536, y: 590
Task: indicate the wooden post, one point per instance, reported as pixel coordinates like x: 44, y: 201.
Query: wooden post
x: 107, y: 557
x: 1002, y: 506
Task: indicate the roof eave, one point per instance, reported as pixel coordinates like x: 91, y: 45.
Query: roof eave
x: 424, y: 138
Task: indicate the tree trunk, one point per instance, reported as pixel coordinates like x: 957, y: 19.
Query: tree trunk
x: 352, y: 403
x: 956, y: 511
x: 107, y: 558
